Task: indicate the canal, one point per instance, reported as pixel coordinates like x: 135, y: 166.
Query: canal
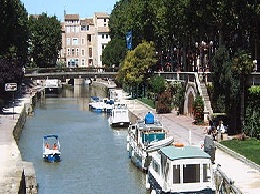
x: 94, y: 156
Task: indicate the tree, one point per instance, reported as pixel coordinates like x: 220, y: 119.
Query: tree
x: 13, y: 41
x: 45, y: 40
x: 135, y: 69
x: 114, y: 53
x: 14, y: 30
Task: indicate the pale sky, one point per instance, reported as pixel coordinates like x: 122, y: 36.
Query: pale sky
x: 85, y: 8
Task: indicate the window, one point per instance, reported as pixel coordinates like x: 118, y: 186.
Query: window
x: 105, y: 20
x: 68, y: 52
x: 105, y: 25
x: 89, y: 37
x: 103, y: 46
x: 90, y: 52
x: 103, y: 36
x: 75, y: 41
x: 176, y: 174
x: 191, y: 173
x: 68, y: 41
x: 82, y: 41
x: 106, y: 36
x: 206, y: 173
x: 82, y: 52
x: 73, y: 51
x: 83, y: 28
x: 77, y: 52
x: 68, y: 29
x: 83, y: 62
x: 156, y: 167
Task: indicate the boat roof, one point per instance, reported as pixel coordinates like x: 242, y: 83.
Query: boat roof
x: 142, y: 126
x: 50, y: 136
x: 184, y: 152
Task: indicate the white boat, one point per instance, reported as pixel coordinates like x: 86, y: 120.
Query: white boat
x: 51, y: 148
x: 180, y: 169
x: 52, y: 86
x: 145, y: 137
x: 119, y: 115
x: 101, y: 105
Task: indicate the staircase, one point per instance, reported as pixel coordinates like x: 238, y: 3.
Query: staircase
x: 205, y: 97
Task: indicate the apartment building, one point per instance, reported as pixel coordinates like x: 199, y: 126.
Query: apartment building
x: 83, y: 40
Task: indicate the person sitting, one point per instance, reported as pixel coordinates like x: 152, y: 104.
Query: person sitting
x: 55, y: 146
x: 47, y: 146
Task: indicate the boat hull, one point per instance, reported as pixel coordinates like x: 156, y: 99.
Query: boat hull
x: 51, y: 157
x: 120, y: 124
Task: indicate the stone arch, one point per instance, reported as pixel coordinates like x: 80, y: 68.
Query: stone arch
x: 190, y: 95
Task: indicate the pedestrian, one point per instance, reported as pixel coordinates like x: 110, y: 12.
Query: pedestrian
x: 209, y: 146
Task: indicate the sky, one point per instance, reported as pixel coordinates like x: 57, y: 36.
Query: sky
x: 85, y: 8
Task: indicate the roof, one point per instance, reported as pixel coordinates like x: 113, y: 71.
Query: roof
x: 101, y: 15
x: 50, y: 136
x: 185, y: 152
x: 71, y: 17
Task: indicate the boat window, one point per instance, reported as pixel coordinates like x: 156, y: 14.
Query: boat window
x: 206, y: 173
x: 176, y: 174
x: 156, y: 167
x: 191, y: 173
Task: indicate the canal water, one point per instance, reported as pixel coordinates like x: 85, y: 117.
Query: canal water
x: 94, y: 156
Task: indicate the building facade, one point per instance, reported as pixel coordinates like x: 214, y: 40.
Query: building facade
x: 83, y: 40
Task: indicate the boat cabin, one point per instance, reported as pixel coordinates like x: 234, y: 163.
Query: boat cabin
x: 181, y: 169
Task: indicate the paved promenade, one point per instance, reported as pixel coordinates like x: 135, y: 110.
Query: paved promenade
x: 11, y: 164
x: 245, y: 176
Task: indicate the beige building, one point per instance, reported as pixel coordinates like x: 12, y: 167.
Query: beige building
x: 83, y: 40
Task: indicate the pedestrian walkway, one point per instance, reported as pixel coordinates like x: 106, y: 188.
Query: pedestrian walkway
x: 244, y: 176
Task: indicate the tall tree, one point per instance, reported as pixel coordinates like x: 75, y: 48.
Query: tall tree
x: 114, y: 53
x: 45, y: 40
x: 13, y: 30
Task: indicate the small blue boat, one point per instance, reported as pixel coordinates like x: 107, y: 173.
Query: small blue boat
x: 51, y: 148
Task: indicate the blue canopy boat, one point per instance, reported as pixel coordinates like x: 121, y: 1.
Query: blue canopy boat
x: 51, y: 148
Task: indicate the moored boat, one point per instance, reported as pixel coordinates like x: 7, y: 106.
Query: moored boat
x: 119, y: 115
x: 51, y: 148
x: 53, y: 86
x: 144, y: 137
x: 180, y: 169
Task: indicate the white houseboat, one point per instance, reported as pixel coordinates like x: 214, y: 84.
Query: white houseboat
x: 119, y: 115
x: 180, y: 169
x: 52, y: 86
x: 145, y: 137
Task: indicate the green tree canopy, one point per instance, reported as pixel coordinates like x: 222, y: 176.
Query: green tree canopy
x: 114, y: 53
x: 137, y: 64
x: 13, y: 30
x: 45, y: 40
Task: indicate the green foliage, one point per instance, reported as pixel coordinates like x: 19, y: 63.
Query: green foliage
x: 114, y: 53
x: 45, y: 40
x: 164, y: 104
x: 198, y: 107
x: 252, y: 121
x: 178, y: 92
x: 13, y: 30
x: 135, y: 68
x: 157, y: 84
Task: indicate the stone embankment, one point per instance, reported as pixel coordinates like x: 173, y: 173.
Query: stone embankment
x: 16, y: 176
